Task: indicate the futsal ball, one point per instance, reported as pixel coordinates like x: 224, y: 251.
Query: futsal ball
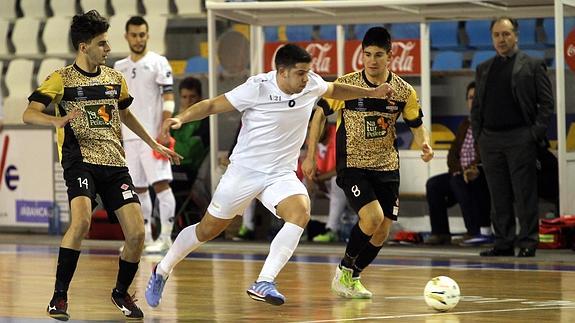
x: 441, y: 293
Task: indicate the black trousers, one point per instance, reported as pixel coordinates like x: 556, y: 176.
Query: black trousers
x: 444, y: 191
x: 509, y: 159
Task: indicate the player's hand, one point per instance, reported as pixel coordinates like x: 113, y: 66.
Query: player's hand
x: 384, y: 91
x: 170, y: 123
x: 426, y: 152
x: 63, y: 121
x: 165, y: 152
x: 308, y: 167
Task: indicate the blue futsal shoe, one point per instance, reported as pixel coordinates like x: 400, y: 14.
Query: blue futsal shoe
x: 266, y: 292
x: 155, y: 288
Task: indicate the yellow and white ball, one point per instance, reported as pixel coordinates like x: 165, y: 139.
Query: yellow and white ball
x: 442, y: 293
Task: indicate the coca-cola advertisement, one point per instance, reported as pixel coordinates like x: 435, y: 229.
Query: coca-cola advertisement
x: 570, y: 50
x: 405, y: 58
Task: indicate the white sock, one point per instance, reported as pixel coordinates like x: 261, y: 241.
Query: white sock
x: 248, y: 217
x: 486, y: 231
x: 167, y: 207
x: 146, y: 206
x: 186, y: 242
x: 281, y: 250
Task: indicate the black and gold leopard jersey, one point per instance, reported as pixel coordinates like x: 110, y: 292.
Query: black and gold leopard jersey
x: 366, y: 127
x: 94, y: 136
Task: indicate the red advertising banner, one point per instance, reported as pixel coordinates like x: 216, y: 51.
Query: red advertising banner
x: 405, y: 58
x: 570, y: 50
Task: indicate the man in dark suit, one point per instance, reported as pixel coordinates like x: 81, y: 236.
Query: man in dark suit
x: 509, y: 117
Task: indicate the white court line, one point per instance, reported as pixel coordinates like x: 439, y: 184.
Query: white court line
x: 389, y: 317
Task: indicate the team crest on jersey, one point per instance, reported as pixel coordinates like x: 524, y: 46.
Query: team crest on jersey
x: 111, y: 91
x: 100, y: 115
x: 376, y: 126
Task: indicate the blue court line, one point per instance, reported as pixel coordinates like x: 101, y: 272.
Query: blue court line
x: 326, y: 259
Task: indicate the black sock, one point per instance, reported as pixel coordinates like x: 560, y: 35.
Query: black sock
x: 357, y: 241
x: 67, y: 261
x: 366, y: 256
x: 126, y: 274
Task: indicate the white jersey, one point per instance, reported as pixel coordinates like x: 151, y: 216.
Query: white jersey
x: 274, y: 123
x: 146, y: 79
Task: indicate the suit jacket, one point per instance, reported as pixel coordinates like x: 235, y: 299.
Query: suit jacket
x: 453, y: 157
x: 531, y: 89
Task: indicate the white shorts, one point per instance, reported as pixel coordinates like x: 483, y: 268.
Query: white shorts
x: 145, y: 169
x: 240, y: 185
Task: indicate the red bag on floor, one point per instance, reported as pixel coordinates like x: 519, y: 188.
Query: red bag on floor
x: 558, y: 233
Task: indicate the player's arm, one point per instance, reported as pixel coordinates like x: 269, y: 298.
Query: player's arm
x: 308, y: 165
x: 34, y: 115
x: 49, y: 91
x: 198, y: 111
x: 412, y: 116
x: 133, y: 124
x: 340, y: 91
x: 168, y: 107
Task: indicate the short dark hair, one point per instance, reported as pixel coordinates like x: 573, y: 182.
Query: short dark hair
x: 470, y: 86
x: 136, y: 21
x: 191, y: 83
x: 513, y: 22
x: 377, y: 36
x: 291, y: 54
x: 86, y: 27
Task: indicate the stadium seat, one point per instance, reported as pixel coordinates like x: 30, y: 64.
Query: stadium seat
x: 535, y: 53
x: 31, y: 9
x: 47, y: 66
x: 327, y: 32
x: 271, y: 33
x: 480, y: 56
x: 443, y: 34
x: 13, y: 109
x: 4, y: 25
x: 116, y: 34
x: 447, y: 61
x: 299, y: 33
x: 187, y: 7
x: 157, y: 7
x: 24, y: 36
x: 56, y: 36
x: 479, y: 34
x: 527, y: 34
x: 362, y: 28
x: 125, y: 7
x: 549, y: 28
x: 8, y: 9
x: 99, y: 5
x: 157, y: 41
x: 64, y: 8
x: 18, y: 77
x: 196, y: 65
x: 404, y: 31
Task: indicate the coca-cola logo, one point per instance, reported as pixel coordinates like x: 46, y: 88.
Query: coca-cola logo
x: 321, y: 57
x: 403, y: 57
x: 570, y: 50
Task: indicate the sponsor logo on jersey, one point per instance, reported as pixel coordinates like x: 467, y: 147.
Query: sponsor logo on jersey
x: 110, y: 91
x: 99, y: 115
x: 376, y: 126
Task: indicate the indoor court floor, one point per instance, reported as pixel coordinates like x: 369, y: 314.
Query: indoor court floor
x: 209, y: 286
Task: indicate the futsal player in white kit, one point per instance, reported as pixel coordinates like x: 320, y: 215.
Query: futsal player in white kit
x: 276, y: 107
x: 149, y: 77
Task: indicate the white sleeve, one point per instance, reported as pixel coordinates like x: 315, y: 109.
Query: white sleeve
x: 164, y: 72
x: 244, y: 96
x: 321, y: 84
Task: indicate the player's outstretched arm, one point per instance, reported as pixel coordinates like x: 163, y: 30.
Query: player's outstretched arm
x: 421, y: 138
x: 344, y: 92
x: 33, y: 115
x: 198, y: 111
x: 133, y: 124
x: 308, y: 165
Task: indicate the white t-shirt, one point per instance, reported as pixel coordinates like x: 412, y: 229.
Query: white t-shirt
x: 145, y: 79
x: 274, y: 124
